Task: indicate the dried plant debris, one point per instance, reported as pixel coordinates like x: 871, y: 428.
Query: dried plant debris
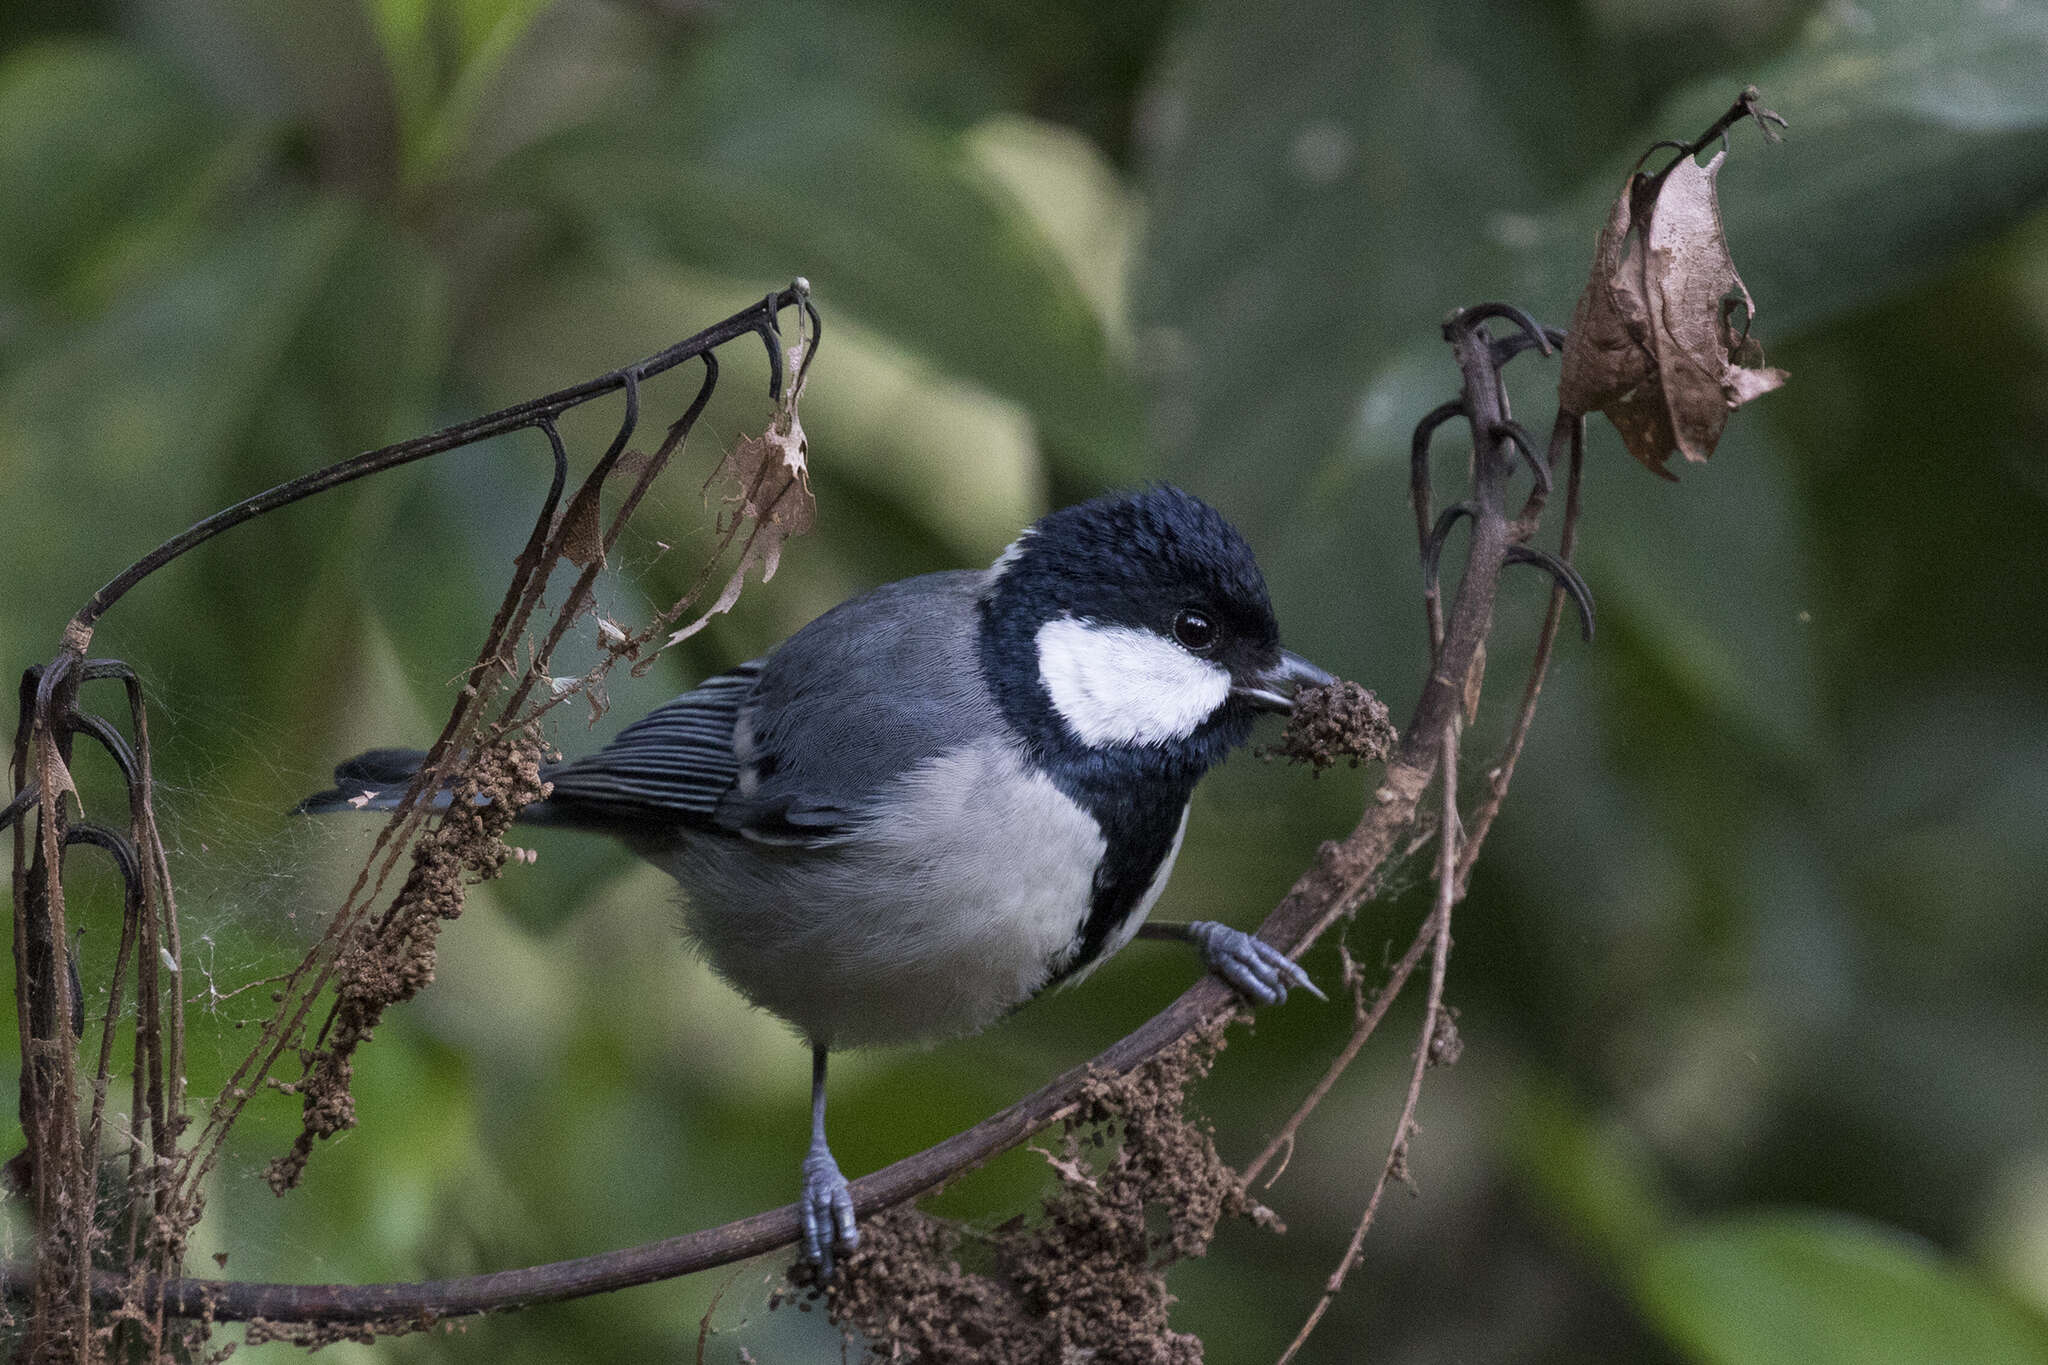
x: 315, y: 1336
x: 1141, y: 1186
x: 770, y: 476
x: 392, y: 959
x: 1654, y: 343
x: 1446, y: 1044
x: 1341, y: 720
x: 580, y: 527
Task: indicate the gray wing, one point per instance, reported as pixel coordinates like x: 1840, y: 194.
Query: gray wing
x: 794, y: 749
x: 674, y: 764
x: 855, y: 700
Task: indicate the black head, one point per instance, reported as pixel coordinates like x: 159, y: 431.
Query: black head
x: 1137, y: 623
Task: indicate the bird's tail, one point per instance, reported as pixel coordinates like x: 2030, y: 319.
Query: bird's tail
x: 371, y: 781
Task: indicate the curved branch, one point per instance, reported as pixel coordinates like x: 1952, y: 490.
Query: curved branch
x: 1321, y: 896
x: 1421, y: 498
x: 759, y: 319
x: 23, y: 799
x: 1437, y: 930
x: 1330, y: 890
x: 1565, y: 577
x: 1569, y: 434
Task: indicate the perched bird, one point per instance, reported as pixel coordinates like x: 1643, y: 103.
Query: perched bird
x: 948, y: 795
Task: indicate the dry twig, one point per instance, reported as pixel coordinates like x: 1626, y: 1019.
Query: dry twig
x: 1437, y: 929
x: 164, y: 1179
x: 1331, y: 890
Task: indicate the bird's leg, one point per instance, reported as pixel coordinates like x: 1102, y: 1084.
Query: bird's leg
x: 827, y: 1205
x: 1254, y: 968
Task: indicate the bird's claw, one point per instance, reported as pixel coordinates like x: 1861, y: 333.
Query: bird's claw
x: 826, y: 1210
x: 1255, y: 969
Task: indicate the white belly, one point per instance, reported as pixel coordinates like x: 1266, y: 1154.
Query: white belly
x: 935, y: 923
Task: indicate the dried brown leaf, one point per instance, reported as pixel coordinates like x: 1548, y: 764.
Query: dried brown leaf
x: 54, y: 775
x: 1652, y: 345
x: 771, y: 500
x: 581, y: 531
x: 1607, y: 352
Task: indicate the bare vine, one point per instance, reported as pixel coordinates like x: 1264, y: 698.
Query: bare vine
x: 140, y: 1289
x: 1335, y: 887
x: 370, y: 960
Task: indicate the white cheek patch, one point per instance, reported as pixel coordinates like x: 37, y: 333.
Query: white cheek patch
x: 1117, y: 685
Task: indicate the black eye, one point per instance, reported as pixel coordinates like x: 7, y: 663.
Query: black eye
x: 1194, y: 630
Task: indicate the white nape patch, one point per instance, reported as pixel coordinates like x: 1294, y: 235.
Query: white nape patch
x: 1119, y: 685
x: 1008, y: 556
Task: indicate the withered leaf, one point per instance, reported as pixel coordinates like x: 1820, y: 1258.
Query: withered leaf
x: 581, y: 523
x: 53, y: 774
x: 772, y: 501
x: 1652, y: 343
x: 581, y: 532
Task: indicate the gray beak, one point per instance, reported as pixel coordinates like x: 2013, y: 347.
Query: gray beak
x: 1273, y: 689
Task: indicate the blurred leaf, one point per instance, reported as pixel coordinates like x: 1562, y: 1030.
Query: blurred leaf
x: 889, y: 214
x: 1917, y: 128
x: 299, y: 335
x: 892, y: 59
x: 406, y: 34
x: 1704, y: 585
x: 96, y: 147
x: 1331, y: 178
x: 1075, y: 196
x: 134, y: 407
x: 312, y: 70
x: 1812, y: 1289
x: 1586, y: 1175
x: 442, y: 59
x: 1321, y: 176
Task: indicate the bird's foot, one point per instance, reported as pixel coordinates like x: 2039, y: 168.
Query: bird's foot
x: 1255, y: 969
x: 827, y: 1211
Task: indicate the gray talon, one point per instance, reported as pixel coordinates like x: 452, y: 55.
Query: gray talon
x: 1294, y: 972
x: 1255, y: 980
x: 827, y: 1212
x: 1257, y: 970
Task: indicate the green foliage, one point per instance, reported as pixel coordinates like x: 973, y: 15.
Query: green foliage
x: 1807, y: 1289
x: 1759, y: 929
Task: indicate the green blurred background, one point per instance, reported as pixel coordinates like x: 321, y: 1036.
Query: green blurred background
x: 1753, y: 978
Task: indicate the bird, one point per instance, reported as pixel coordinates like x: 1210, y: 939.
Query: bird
x: 949, y: 795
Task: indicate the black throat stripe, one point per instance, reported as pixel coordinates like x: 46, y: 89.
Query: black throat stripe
x: 1139, y: 822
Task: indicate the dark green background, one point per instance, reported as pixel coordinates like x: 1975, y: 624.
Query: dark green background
x: 1752, y: 978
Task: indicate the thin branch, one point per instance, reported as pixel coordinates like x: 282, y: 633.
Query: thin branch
x: 1503, y: 771
x: 1748, y: 105
x: 1420, y: 498
x: 1329, y: 891
x: 537, y: 412
x: 62, y: 1161
x: 545, y: 546
x: 1439, y: 926
x: 1368, y: 1022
